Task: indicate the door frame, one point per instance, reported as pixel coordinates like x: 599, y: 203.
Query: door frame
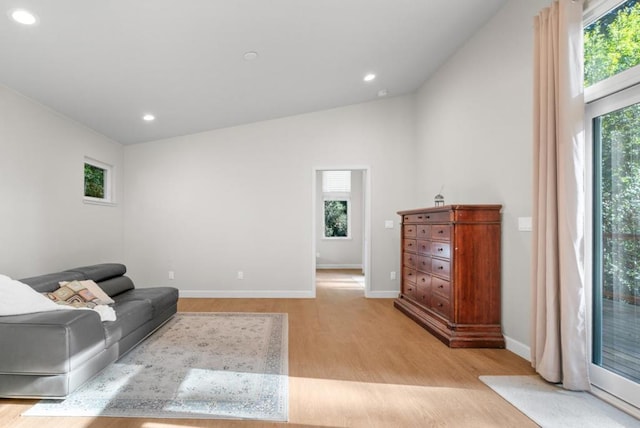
x: 366, y: 232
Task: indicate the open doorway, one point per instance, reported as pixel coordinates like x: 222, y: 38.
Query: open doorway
x: 341, y: 212
x: 340, y: 279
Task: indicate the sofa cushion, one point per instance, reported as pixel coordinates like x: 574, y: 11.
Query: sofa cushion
x: 130, y: 315
x: 101, y: 272
x: 49, y: 342
x: 115, y: 286
x: 161, y: 298
x: 51, y: 281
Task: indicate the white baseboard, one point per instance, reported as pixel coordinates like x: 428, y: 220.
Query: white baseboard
x: 518, y: 348
x: 247, y: 294
x: 381, y: 294
x: 330, y: 266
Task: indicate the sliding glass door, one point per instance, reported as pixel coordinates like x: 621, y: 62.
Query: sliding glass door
x: 615, y: 131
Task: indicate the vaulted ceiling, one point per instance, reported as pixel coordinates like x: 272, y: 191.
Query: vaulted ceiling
x: 198, y: 65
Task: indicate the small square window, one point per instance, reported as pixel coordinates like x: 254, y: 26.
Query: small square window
x: 98, y: 179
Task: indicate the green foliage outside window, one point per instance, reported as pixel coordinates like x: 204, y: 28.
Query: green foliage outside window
x: 93, y: 181
x: 611, y: 43
x: 336, y: 220
x: 620, y: 197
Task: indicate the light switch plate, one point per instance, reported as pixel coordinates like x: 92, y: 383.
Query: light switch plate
x: 525, y: 224
x: 388, y: 224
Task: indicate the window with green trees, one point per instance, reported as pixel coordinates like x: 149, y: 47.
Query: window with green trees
x: 97, y: 182
x: 336, y: 218
x: 611, y: 44
x: 94, y: 181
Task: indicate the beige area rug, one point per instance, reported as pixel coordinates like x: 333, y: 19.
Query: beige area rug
x: 550, y: 406
x: 198, y: 365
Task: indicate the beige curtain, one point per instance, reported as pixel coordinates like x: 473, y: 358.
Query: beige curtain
x: 559, y: 339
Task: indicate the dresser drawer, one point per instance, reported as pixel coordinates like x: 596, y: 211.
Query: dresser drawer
x: 409, y: 275
x: 440, y: 216
x: 440, y: 249
x: 424, y: 247
x: 424, y: 264
x: 409, y: 245
x: 441, y: 231
x: 412, y: 218
x: 423, y: 280
x: 441, y: 287
x: 409, y: 290
x: 423, y: 290
x: 440, y: 267
x: 409, y: 230
x: 423, y: 231
x: 441, y: 305
x: 410, y: 260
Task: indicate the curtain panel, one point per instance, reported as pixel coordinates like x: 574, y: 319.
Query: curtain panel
x: 559, y: 350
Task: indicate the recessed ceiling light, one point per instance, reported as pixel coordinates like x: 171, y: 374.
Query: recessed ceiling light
x: 250, y: 56
x: 148, y: 117
x: 369, y: 77
x: 23, y: 16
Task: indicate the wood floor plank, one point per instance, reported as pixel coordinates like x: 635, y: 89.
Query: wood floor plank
x: 353, y: 362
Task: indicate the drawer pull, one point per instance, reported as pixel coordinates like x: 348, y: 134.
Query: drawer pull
x: 441, y: 231
x: 440, y: 286
x: 419, y: 216
x: 440, y: 249
x: 440, y: 267
x: 428, y: 216
x: 439, y: 305
x: 410, y: 244
x: 424, y: 280
x: 410, y: 274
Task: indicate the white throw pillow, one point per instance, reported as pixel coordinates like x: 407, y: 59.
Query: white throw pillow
x: 17, y: 298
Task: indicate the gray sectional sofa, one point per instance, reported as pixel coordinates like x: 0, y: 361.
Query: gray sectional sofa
x: 50, y: 354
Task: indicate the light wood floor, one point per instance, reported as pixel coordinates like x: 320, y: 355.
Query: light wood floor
x: 353, y: 362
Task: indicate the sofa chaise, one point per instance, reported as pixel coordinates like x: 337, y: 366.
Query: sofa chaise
x: 50, y: 354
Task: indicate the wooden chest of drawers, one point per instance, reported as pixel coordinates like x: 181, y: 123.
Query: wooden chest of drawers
x: 451, y: 273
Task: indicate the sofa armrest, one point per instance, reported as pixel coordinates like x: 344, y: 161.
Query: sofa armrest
x: 49, y: 342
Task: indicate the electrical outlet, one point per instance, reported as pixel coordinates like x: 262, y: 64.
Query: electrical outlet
x: 388, y: 224
x: 171, y: 275
x: 392, y: 275
x: 240, y: 274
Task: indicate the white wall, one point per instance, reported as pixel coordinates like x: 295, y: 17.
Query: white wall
x: 240, y: 199
x: 338, y: 253
x: 475, y: 138
x: 44, y: 224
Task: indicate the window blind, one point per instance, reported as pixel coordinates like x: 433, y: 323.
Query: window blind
x: 336, y: 181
